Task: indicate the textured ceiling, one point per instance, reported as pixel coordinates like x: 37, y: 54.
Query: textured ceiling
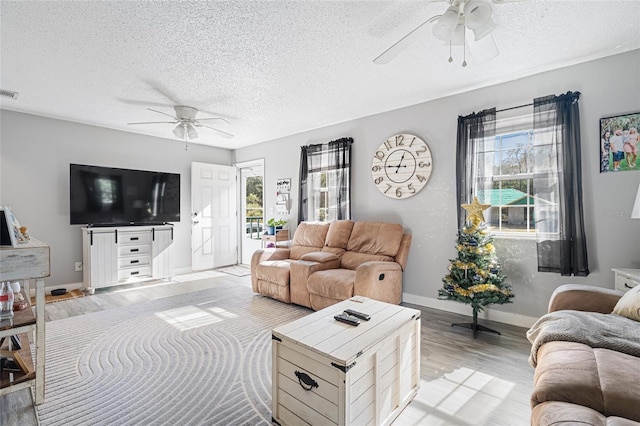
x: 273, y: 68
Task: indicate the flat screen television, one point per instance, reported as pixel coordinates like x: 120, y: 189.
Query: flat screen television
x: 107, y: 196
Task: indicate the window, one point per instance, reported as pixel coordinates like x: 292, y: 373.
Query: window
x: 504, y: 178
x: 504, y: 181
x: 325, y: 181
x: 542, y: 160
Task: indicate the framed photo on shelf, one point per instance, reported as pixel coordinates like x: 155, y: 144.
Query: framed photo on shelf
x: 9, y: 228
x: 619, y: 143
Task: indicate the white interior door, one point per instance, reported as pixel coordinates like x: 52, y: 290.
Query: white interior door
x: 213, y: 213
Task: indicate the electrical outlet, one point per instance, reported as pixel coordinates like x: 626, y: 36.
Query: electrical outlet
x: 78, y: 266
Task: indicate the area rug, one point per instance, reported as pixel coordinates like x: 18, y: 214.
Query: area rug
x: 237, y: 270
x: 201, y: 358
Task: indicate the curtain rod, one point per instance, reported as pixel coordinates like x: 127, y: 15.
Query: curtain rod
x: 515, y: 107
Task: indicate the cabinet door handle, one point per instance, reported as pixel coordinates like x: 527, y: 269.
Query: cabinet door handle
x: 135, y: 238
x: 627, y: 285
x: 135, y: 261
x: 134, y: 250
x: 135, y: 273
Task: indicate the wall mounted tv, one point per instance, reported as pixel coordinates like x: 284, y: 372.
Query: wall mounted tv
x: 106, y: 196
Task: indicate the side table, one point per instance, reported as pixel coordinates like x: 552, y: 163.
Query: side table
x: 23, y: 263
x: 626, y: 278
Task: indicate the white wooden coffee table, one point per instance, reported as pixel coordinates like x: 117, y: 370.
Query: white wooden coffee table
x: 328, y: 372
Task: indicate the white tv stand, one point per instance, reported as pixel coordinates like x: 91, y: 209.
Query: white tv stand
x: 123, y: 255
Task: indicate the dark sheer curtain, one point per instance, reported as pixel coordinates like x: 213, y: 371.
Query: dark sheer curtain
x: 557, y: 185
x: 473, y: 131
x: 334, y: 158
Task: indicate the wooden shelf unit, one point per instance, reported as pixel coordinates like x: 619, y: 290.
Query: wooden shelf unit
x: 28, y: 261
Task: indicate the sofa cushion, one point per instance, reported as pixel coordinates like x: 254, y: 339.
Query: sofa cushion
x: 601, y: 379
x: 308, y: 238
x: 274, y: 271
x: 339, y: 233
x: 629, y: 304
x: 352, y: 259
x: 334, y: 283
x: 377, y: 238
x: 554, y: 413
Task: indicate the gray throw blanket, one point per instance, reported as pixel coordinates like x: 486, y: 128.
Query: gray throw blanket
x: 597, y: 330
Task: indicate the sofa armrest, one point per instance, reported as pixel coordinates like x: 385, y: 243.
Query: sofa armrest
x: 320, y: 257
x: 263, y: 255
x: 380, y: 281
x: 580, y: 297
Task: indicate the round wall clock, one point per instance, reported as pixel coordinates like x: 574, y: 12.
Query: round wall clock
x: 401, y: 166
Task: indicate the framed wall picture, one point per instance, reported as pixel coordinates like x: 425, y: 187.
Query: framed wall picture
x: 9, y: 228
x: 619, y: 143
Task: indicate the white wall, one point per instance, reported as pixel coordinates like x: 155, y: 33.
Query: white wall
x: 35, y: 153
x: 608, y: 86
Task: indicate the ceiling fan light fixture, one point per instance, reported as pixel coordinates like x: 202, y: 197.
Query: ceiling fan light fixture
x: 179, y: 131
x: 485, y: 30
x: 457, y: 39
x: 192, y: 133
x: 477, y: 13
x: 445, y: 26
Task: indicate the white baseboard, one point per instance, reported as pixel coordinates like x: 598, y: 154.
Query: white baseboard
x: 461, y: 308
x: 182, y: 271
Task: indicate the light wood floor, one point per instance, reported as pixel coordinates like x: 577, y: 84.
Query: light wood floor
x: 465, y: 381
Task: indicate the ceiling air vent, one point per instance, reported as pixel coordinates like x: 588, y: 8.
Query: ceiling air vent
x: 8, y: 94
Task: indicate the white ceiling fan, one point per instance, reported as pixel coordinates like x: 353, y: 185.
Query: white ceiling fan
x: 186, y: 122
x: 464, y: 23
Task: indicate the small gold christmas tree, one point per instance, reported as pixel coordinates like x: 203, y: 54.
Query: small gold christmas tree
x: 474, y: 276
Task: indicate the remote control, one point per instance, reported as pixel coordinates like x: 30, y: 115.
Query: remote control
x: 348, y: 319
x: 361, y: 315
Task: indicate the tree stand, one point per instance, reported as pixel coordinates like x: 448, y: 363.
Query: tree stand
x: 474, y: 325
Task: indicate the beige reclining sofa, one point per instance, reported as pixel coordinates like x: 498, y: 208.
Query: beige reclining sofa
x: 330, y: 262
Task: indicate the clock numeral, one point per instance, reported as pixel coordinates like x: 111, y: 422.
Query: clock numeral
x: 378, y: 180
x: 388, y: 188
x: 398, y: 192
x: 375, y: 168
x: 400, y: 140
x: 421, y: 178
x: 423, y: 164
x: 424, y: 149
x: 387, y: 145
x: 379, y: 155
x: 411, y: 188
x: 412, y: 141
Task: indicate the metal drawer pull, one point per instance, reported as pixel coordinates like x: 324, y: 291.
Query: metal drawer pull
x: 133, y: 250
x: 308, y: 381
x: 134, y: 238
x: 135, y: 261
x: 627, y: 285
x: 135, y: 272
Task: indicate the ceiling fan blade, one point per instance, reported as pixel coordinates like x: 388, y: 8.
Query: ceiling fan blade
x: 222, y: 133
x: 482, y: 50
x: 391, y: 53
x: 213, y: 118
x: 160, y: 112
x: 155, y: 122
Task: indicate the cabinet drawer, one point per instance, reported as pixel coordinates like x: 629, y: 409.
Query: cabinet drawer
x: 133, y: 249
x: 125, y: 262
x: 134, y: 237
x: 624, y: 283
x: 126, y: 273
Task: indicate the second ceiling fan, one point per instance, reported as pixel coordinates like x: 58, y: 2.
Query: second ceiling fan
x: 186, y: 122
x: 464, y: 23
